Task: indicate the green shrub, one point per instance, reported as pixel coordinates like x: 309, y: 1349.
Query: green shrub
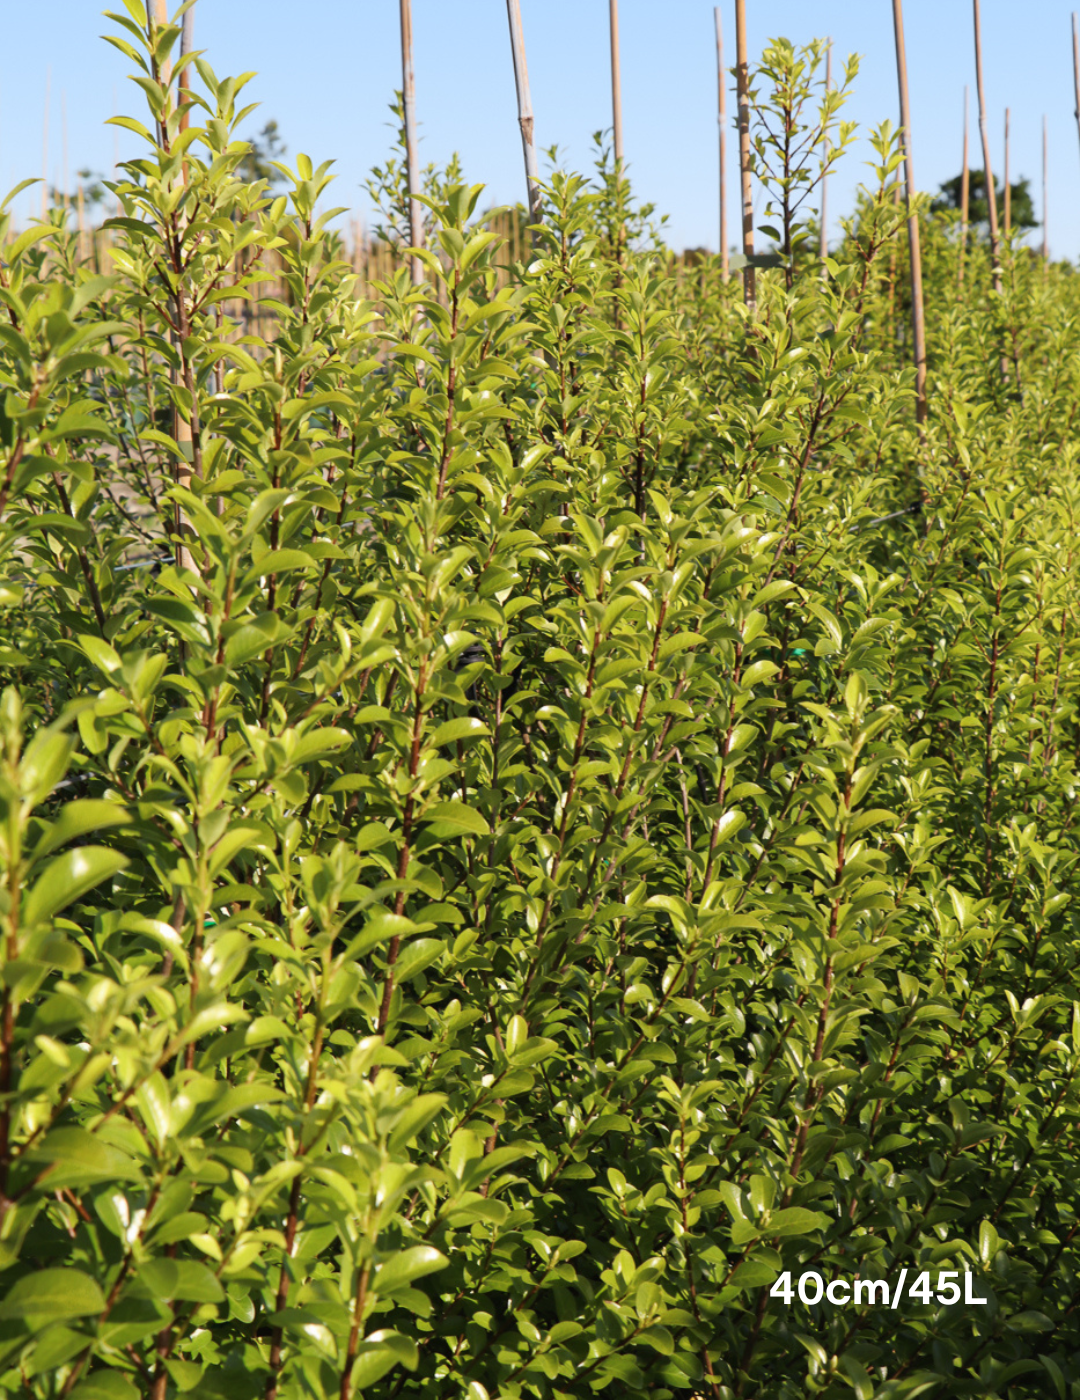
x: 530, y: 809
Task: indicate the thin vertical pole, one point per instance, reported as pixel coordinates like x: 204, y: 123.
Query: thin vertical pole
x: 616, y: 86
x: 991, y: 193
x: 1008, y: 192
x: 1045, y: 204
x: 45, y: 147
x: 1076, y: 73
x: 824, y: 162
x: 721, y: 80
x: 893, y: 329
x: 742, y: 81
x: 918, y: 325
x: 525, y: 111
x: 160, y: 15
x: 187, y: 45
x: 965, y: 196
x: 64, y: 146
x: 408, y: 88
x: 182, y: 425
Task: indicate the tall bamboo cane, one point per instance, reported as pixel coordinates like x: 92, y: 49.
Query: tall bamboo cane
x: 45, y: 147
x: 965, y: 195
x: 525, y: 111
x: 824, y: 161
x: 182, y: 426
x: 408, y: 91
x: 616, y: 86
x: 991, y: 193
x: 1045, y: 204
x: 742, y: 78
x: 918, y: 324
x: 187, y: 44
x: 1076, y: 73
x: 721, y: 84
x: 64, y: 147
x: 1008, y: 191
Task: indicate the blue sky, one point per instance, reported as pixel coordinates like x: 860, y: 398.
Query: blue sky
x: 327, y: 69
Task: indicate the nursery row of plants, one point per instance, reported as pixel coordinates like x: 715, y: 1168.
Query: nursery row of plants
x: 533, y: 805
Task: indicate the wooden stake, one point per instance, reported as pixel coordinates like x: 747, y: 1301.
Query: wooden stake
x: 1045, y: 203
x: 1076, y: 73
x: 64, y: 147
x: 721, y: 82
x: 824, y: 159
x: 525, y: 111
x: 408, y: 88
x: 991, y: 193
x: 45, y: 148
x: 918, y: 324
x: 965, y: 195
x: 160, y: 16
x: 187, y: 44
x: 1008, y: 191
x: 742, y: 82
x: 893, y: 329
x: 616, y: 86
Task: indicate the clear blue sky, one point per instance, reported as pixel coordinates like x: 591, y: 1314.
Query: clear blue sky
x: 327, y: 69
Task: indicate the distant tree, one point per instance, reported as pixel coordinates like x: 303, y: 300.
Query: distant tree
x: 265, y: 148
x: 1022, y: 212
x: 93, y: 191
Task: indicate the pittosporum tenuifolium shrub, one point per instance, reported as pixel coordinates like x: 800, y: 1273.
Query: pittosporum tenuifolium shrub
x: 531, y: 806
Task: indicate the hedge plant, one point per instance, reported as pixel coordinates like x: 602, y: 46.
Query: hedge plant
x: 535, y: 804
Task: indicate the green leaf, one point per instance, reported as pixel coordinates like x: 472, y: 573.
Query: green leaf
x: 415, y: 956
x: 455, y: 730
x: 100, y: 653
x: 68, y: 878
x: 180, y: 1280
x: 76, y: 1158
x: 76, y: 819
x: 52, y: 1295
x: 408, y: 1264
x: 451, y: 819
x: 105, y: 1385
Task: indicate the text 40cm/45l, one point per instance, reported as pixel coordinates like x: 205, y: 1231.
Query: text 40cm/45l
x: 811, y: 1288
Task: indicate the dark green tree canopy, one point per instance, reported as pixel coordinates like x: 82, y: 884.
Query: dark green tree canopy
x: 1022, y: 207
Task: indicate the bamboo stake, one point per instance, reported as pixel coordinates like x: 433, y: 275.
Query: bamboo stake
x: 742, y: 78
x: 45, y: 148
x: 1008, y: 191
x: 187, y: 44
x: 616, y: 86
x: 965, y: 195
x: 918, y: 324
x: 1076, y: 73
x: 824, y: 160
x: 525, y: 111
x: 991, y: 193
x: 408, y: 87
x: 182, y: 425
x: 894, y: 329
x: 1045, y: 204
x: 722, y: 122
x: 161, y: 19
x: 64, y: 149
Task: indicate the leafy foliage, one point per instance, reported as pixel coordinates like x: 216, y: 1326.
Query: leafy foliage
x: 531, y: 806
